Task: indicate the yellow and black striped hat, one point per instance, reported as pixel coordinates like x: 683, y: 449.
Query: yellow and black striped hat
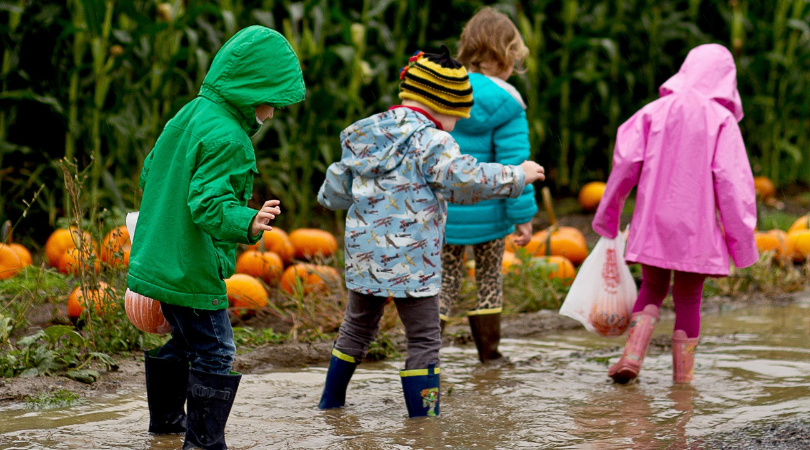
x: 438, y: 81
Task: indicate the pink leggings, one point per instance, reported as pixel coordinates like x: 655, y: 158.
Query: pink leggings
x: 687, y: 291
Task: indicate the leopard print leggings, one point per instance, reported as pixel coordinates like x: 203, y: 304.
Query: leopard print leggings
x: 488, y: 275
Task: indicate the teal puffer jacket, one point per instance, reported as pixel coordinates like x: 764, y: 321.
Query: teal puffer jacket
x: 497, y: 131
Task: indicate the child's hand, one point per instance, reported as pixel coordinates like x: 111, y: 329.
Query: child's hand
x: 534, y: 172
x: 523, y: 234
x: 262, y: 219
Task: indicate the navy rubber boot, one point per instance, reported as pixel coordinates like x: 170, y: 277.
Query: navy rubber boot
x: 421, y: 389
x: 341, y: 369
x: 210, y: 398
x: 166, y: 386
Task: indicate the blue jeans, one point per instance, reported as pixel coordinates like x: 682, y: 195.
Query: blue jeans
x: 203, y: 338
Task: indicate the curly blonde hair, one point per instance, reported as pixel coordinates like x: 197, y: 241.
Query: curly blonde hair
x: 490, y: 37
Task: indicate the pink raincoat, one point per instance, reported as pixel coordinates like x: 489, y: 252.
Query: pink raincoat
x: 686, y: 154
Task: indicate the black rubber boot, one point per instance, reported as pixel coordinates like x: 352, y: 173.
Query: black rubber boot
x: 486, y: 332
x: 210, y: 398
x: 166, y: 386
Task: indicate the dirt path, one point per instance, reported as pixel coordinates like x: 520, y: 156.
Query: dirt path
x: 130, y: 375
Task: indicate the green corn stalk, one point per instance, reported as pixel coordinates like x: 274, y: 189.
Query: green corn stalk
x: 14, y: 17
x: 569, y: 16
x: 102, y: 65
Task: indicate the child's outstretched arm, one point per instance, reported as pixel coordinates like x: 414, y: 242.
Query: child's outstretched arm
x: 735, y: 194
x: 213, y: 203
x: 463, y: 180
x: 336, y: 190
x: 628, y: 154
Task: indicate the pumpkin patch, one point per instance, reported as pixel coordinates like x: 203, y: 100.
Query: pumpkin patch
x: 63, y: 240
x: 310, y: 277
x: 561, y: 267
x: 278, y: 242
x: 116, y: 247
x: 565, y: 241
x: 246, y: 293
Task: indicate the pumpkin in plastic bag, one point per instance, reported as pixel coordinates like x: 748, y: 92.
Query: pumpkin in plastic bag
x: 609, y: 314
x: 146, y: 314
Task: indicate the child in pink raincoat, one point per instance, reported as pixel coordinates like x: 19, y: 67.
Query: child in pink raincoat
x: 695, y: 203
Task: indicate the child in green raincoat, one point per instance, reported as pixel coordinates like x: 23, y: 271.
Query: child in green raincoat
x: 196, y: 183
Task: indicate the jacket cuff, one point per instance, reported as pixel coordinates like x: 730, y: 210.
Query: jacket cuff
x: 244, y: 220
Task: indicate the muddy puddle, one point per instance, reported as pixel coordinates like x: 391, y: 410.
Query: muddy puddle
x: 753, y: 367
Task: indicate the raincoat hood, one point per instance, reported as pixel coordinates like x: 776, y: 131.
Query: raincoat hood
x: 709, y: 70
x: 257, y: 66
x: 376, y: 146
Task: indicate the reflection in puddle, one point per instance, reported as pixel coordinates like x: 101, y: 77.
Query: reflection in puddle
x: 752, y: 366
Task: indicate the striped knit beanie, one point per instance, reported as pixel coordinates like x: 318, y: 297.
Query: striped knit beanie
x: 438, y: 81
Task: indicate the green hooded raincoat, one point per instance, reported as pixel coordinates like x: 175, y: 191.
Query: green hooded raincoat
x: 198, y: 178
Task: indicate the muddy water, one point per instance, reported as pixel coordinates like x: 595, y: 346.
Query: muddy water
x: 753, y: 367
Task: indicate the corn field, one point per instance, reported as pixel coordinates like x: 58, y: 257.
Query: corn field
x: 96, y: 80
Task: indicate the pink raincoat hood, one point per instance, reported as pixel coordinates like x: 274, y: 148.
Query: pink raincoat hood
x: 709, y: 70
x: 695, y: 203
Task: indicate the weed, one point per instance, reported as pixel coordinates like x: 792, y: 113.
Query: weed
x: 382, y: 348
x: 51, y: 400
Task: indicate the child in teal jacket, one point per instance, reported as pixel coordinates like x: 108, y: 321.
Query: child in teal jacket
x: 497, y: 131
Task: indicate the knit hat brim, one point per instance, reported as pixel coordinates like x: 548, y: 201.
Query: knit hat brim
x: 439, y: 82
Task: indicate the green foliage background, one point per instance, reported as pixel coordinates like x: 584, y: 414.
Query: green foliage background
x: 96, y: 80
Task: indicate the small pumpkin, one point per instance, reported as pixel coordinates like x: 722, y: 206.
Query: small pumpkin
x: 70, y: 262
x: 508, y: 264
x: 531, y: 247
x: 62, y: 240
x: 23, y: 253
x: 566, y: 241
x: 267, y: 266
x: 103, y: 299
x: 10, y: 262
x: 310, y: 242
x: 764, y: 187
x: 116, y: 248
x: 773, y: 240
x: 802, y: 223
x: 562, y: 267
x: 309, y: 276
x: 146, y: 314
x: 799, y: 245
x: 246, y: 292
x: 278, y: 242
x: 591, y: 194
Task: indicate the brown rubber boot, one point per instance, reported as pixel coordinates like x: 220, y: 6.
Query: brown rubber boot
x: 641, y: 330
x: 485, y: 325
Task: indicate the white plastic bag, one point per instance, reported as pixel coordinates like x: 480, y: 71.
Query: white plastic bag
x: 132, y: 220
x: 603, y: 294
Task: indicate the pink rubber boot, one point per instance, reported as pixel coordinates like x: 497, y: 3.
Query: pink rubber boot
x: 683, y: 357
x: 641, y: 330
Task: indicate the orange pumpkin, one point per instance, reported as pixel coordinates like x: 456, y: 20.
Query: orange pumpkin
x: 799, y: 245
x: 103, y: 298
x: 116, y: 242
x: 311, y: 277
x: 146, y: 314
x: 61, y: 241
x: 773, y: 240
x: 310, y: 242
x: 277, y: 241
x: 531, y: 247
x: 267, y: 266
x: 764, y: 187
x: 70, y: 262
x: 591, y: 194
x: 566, y: 241
x: 508, y: 264
x: 10, y: 262
x: 23, y: 253
x: 246, y: 292
x: 562, y: 268
x: 802, y: 223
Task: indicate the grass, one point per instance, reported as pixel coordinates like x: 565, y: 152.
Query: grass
x: 52, y: 400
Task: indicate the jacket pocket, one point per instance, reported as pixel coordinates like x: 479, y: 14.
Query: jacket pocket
x: 225, y: 265
x: 247, y: 193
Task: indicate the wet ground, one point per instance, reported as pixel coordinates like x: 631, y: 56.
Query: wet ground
x: 751, y: 390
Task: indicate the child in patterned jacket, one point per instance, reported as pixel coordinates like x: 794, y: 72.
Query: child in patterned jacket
x: 397, y: 171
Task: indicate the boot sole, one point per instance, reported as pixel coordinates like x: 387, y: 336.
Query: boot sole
x: 624, y: 375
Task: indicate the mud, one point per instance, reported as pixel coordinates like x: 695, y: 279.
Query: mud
x: 794, y: 435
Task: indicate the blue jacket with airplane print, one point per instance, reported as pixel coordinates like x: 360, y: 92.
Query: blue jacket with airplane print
x: 395, y: 175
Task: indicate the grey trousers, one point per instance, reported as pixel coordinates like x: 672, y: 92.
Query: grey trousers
x: 419, y: 315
